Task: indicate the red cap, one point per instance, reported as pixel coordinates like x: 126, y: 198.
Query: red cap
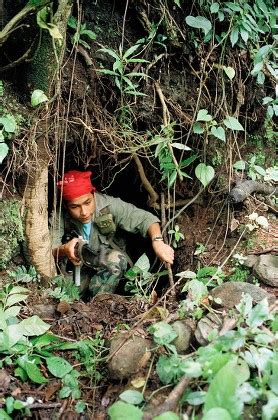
x: 74, y: 184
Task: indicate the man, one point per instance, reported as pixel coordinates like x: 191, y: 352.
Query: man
x: 98, y: 218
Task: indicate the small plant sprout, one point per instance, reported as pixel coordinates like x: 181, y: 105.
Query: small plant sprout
x: 178, y: 236
x: 200, y: 249
x: 80, y: 32
x: 239, y: 259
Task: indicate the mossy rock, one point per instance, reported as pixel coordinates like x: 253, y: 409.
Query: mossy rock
x: 11, y: 231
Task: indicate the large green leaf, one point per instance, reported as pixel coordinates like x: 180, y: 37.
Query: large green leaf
x: 9, y: 123
x: 230, y: 72
x: 217, y: 413
x: 203, y: 115
x: 31, y: 369
x: 58, y: 366
x: 38, y: 97
x: 168, y: 415
x: 143, y: 263
x: 233, y: 124
x: 204, y: 173
x: 199, y: 22
x: 4, y: 150
x: 132, y: 396
x: 12, y: 299
x: 123, y: 411
x: 222, y: 391
x: 34, y: 326
x: 11, y: 335
x: 218, y: 132
x: 163, y: 333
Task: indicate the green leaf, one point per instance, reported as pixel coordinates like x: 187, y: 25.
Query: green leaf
x: 4, y: 150
x: 257, y: 68
x: 4, y: 415
x: 217, y: 414
x: 42, y: 18
x: 260, y: 78
x: 180, y: 146
x: 240, y: 165
x: 123, y: 411
x: 72, y: 22
x: 244, y: 35
x: 132, y: 396
x: 106, y: 71
x: 12, y: 299
x: 234, y: 36
x: 214, y: 8
x: 54, y: 31
x: 163, y: 333
x: 230, y: 72
x: 258, y: 315
x: 197, y: 128
x: 45, y: 340
x: 38, y: 97
x: 34, y: 326
x: 9, y: 123
x: 20, y: 373
x: 143, y: 263
x: 204, y: 173
x: 110, y: 52
x: 267, y: 100
x: 168, y: 415
x: 58, y: 366
x: 199, y: 22
x: 90, y: 34
x: 13, y: 311
x: 18, y: 289
x: 130, y: 51
x: 197, y: 289
x: 218, y: 132
x: 31, y: 369
x: 203, y: 115
x: 196, y: 397
x: 233, y: 124
x: 222, y: 390
x: 11, y: 335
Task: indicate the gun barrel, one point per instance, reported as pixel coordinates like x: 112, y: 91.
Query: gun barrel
x: 76, y: 274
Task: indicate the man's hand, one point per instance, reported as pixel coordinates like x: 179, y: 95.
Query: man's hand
x: 69, y: 251
x: 163, y: 251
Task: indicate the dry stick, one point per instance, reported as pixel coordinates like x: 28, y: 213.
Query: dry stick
x: 145, y: 315
x: 171, y: 402
x: 163, y: 223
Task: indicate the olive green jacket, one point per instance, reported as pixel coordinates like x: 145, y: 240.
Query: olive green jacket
x: 126, y: 216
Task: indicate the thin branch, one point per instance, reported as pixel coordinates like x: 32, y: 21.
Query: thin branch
x: 146, y: 183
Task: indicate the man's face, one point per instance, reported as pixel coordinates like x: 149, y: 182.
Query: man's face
x: 81, y: 208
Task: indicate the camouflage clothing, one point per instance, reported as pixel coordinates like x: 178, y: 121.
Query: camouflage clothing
x: 105, y: 231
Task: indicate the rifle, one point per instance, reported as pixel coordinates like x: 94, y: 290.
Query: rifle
x: 86, y: 255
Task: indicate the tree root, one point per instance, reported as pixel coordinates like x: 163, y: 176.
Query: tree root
x: 244, y: 189
x: 171, y: 402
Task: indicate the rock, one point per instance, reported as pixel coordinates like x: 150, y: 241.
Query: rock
x: 184, y: 329
x: 130, y: 357
x: 5, y: 380
x: 266, y: 269
x: 251, y: 260
x: 230, y: 293
x: 205, y: 326
x: 44, y: 311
